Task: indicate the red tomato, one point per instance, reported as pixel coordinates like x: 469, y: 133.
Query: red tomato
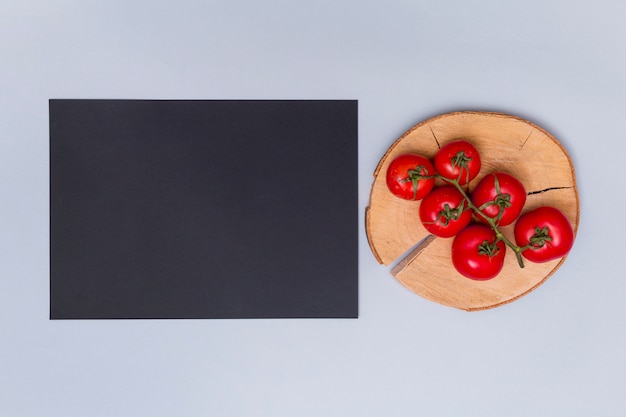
x: 405, y: 176
x: 476, y: 253
x: 499, y: 196
x: 458, y: 160
x: 546, y: 232
x: 444, y: 212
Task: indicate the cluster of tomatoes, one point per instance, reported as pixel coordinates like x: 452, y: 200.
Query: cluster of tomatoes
x: 474, y: 219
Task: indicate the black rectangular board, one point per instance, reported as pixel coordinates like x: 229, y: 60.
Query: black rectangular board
x: 175, y: 209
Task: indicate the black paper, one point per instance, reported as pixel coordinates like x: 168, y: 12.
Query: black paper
x: 203, y: 209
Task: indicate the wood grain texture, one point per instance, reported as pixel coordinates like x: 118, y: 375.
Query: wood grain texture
x: 506, y: 144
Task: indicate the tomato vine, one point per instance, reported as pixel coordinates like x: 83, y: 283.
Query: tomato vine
x: 490, y: 221
x: 501, y: 201
x: 497, y: 200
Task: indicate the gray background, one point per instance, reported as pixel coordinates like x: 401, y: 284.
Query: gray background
x: 558, y: 351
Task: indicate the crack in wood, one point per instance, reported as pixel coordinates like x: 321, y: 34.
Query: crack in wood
x: 526, y: 140
x: 410, y: 255
x: 434, y: 136
x: 548, y: 189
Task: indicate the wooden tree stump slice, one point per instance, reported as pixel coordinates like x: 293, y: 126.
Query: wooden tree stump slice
x: 506, y: 144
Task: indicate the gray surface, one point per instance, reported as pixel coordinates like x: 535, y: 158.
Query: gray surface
x: 558, y: 351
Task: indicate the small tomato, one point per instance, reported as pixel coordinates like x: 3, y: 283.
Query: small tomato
x: 458, y: 160
x: 444, y: 212
x: 499, y: 196
x: 410, y: 176
x: 477, y: 254
x: 545, y: 232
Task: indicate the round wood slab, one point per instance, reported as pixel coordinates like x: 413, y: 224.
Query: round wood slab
x: 422, y: 261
